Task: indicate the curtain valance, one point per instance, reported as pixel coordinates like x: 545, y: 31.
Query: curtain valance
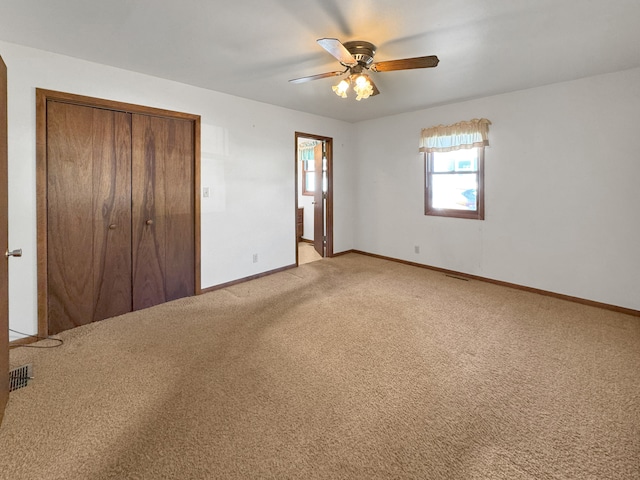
x: 305, y: 150
x: 446, y: 138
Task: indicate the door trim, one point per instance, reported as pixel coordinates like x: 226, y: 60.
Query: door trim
x: 42, y: 97
x: 329, y: 204
x: 4, y: 228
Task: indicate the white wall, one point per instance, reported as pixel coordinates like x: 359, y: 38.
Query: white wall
x: 247, y: 162
x: 562, y: 176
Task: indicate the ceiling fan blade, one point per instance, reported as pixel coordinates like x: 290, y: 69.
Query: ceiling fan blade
x: 317, y: 77
x: 406, y: 64
x: 338, y: 50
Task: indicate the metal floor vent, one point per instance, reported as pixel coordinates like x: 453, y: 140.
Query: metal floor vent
x: 19, y: 377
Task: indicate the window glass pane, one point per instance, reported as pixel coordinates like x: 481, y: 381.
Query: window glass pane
x: 310, y: 181
x: 467, y: 164
x: 309, y: 165
x: 456, y: 161
x: 442, y: 163
x: 454, y: 191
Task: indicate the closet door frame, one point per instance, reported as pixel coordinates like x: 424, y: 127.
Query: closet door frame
x: 42, y: 97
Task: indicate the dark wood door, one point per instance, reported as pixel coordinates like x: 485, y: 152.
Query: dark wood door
x: 162, y: 210
x: 318, y: 199
x: 4, y: 238
x: 88, y: 214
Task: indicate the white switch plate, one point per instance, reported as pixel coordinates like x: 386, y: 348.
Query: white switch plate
x: 205, y: 192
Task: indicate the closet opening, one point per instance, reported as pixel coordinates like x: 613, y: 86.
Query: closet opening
x: 118, y: 208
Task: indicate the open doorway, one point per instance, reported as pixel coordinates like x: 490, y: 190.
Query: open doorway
x: 314, y: 197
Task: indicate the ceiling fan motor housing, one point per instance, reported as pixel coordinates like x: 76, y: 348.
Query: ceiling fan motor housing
x: 362, y: 51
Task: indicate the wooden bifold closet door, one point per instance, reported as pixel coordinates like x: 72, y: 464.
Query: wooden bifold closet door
x: 88, y: 213
x: 163, y: 254
x: 120, y: 212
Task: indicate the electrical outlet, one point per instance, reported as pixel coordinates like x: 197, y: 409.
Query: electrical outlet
x: 416, y: 248
x: 205, y: 192
x: 255, y: 258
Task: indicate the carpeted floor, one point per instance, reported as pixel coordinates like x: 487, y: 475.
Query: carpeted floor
x: 348, y: 368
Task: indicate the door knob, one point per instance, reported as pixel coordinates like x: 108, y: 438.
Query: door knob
x: 112, y: 226
x: 13, y: 253
x: 149, y: 222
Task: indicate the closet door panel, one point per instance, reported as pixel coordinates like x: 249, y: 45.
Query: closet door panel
x: 69, y: 235
x: 112, y: 207
x: 148, y: 206
x: 87, y: 177
x: 179, y: 210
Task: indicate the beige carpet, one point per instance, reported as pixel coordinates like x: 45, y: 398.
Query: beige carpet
x: 348, y: 368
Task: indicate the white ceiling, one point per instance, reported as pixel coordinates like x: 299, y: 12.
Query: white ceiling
x: 251, y: 48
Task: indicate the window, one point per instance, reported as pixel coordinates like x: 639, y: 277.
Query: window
x: 308, y: 177
x: 454, y: 169
x: 308, y: 152
x: 454, y: 183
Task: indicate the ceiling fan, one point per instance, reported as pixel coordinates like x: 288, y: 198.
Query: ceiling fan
x: 357, y: 58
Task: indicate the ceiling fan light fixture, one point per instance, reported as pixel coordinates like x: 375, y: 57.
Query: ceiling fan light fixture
x: 357, y: 57
x: 363, y: 87
x: 341, y: 88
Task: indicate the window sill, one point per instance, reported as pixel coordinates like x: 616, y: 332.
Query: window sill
x: 443, y: 212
